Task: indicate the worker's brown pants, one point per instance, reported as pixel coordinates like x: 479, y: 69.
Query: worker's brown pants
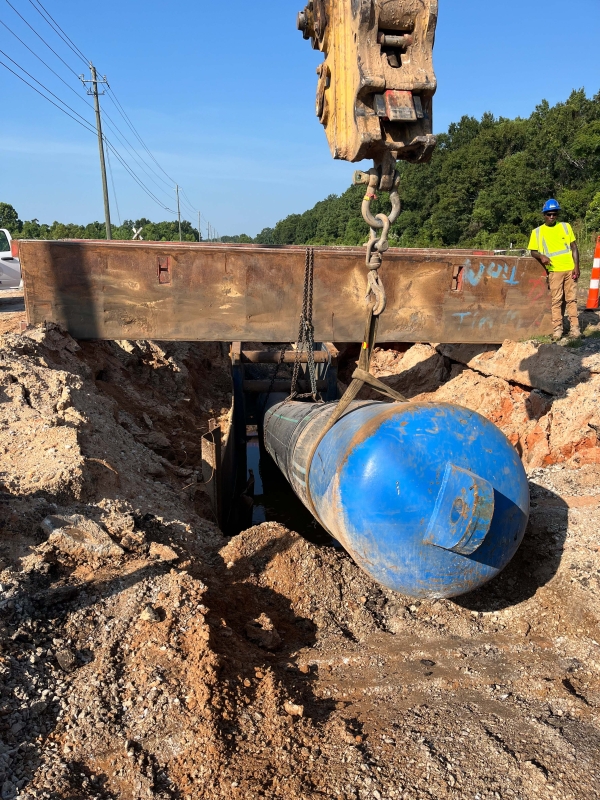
x: 563, y: 287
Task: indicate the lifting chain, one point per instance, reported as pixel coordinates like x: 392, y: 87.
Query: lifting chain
x: 377, y: 244
x: 380, y: 228
x: 306, y: 331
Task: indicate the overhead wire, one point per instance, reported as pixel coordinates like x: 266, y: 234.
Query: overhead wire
x: 81, y: 121
x: 57, y: 29
x: 128, y: 146
x: 39, y: 58
x: 44, y: 87
x: 115, y: 100
x: 171, y: 183
x: 41, y: 38
x: 190, y: 207
x: 136, y: 179
x: 114, y: 127
x: 125, y: 116
x: 46, y: 98
x: 186, y: 202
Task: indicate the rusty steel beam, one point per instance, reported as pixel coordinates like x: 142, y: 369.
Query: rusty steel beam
x: 274, y: 357
x: 253, y: 293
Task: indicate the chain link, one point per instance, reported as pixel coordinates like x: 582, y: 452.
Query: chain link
x: 375, y: 247
x: 306, y: 338
x: 378, y: 242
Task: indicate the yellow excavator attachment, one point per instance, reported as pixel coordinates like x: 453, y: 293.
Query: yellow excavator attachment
x: 376, y: 84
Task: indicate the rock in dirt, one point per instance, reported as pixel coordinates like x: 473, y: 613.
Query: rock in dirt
x: 162, y: 552
x: 77, y: 536
x: 67, y: 659
x: 157, y: 440
x: 133, y: 540
x: 420, y: 369
x: 540, y: 366
x: 293, y: 709
x: 262, y: 632
x: 149, y: 614
x: 545, y: 429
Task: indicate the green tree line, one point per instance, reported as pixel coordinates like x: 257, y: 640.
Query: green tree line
x: 151, y: 231
x: 484, y: 187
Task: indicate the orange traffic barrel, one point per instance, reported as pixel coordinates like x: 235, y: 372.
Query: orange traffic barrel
x: 593, y: 295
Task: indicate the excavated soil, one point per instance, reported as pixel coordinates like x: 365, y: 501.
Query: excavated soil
x: 12, y: 310
x: 143, y: 654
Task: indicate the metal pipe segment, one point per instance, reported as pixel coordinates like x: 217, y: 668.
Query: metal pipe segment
x: 430, y: 499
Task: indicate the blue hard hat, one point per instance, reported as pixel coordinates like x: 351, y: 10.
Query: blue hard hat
x: 551, y: 205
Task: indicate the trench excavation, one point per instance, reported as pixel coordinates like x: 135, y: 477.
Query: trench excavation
x: 269, y: 663
x: 273, y: 498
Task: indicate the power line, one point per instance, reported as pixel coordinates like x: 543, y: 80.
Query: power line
x: 84, y: 124
x: 57, y: 29
x: 39, y: 58
x: 46, y: 98
x: 129, y: 147
x: 187, y: 198
x: 137, y: 180
x: 111, y: 94
x: 41, y: 38
x: 43, y: 87
x: 114, y: 126
x: 130, y: 124
x: 190, y: 208
x: 187, y: 202
x: 123, y: 113
x: 116, y: 129
x: 171, y: 183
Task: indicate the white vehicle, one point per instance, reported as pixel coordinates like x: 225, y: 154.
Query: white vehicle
x: 10, y: 267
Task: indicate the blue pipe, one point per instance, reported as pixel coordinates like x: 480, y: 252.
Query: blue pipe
x: 431, y: 500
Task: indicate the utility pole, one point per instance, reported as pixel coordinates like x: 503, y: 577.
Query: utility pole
x: 199, y: 229
x: 94, y: 91
x: 178, y: 210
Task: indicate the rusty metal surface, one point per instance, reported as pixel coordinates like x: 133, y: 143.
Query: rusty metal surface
x: 217, y: 292
x: 274, y: 357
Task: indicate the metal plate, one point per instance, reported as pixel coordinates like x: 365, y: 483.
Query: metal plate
x: 218, y: 292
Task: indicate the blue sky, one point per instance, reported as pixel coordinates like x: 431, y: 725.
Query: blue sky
x: 223, y: 95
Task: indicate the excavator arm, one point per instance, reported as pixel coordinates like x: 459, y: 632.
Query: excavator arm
x: 376, y: 84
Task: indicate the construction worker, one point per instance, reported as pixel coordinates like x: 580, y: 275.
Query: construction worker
x: 553, y: 245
